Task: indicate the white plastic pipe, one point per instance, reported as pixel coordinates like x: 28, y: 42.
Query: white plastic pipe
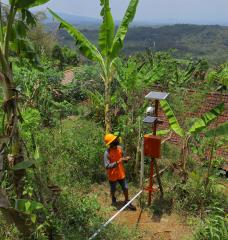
x: 114, y: 216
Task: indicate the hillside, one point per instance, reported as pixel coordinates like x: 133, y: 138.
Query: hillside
x: 198, y: 41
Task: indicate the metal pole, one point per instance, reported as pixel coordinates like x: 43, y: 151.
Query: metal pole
x: 142, y: 165
x: 156, y: 115
x: 158, y: 177
x: 154, y: 129
x: 151, y: 181
x: 155, y: 161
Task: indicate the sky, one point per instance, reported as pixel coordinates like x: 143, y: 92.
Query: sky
x: 173, y: 11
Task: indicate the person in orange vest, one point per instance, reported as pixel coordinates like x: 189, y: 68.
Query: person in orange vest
x: 113, y: 162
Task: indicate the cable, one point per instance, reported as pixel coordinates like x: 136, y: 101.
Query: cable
x: 114, y: 216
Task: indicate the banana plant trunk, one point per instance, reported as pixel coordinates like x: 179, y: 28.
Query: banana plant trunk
x: 183, y: 158
x: 15, y: 155
x: 107, y: 110
x: 11, y: 130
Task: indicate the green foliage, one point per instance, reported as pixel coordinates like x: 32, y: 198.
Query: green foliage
x: 201, y: 123
x: 174, y: 125
x: 64, y: 57
x: 77, y: 149
x: 170, y: 152
x: 41, y: 37
x: 23, y: 4
x: 86, y: 80
x: 96, y: 106
x: 117, y: 44
x: 11, y: 233
x: 22, y: 165
x: 57, y: 53
x: 30, y: 208
x: 214, y: 226
x: 195, y: 196
x: 219, y: 76
x: 221, y: 130
x: 134, y: 75
x: 78, y: 217
x: 31, y: 119
x: 167, y: 70
x: 16, y: 31
x: 87, y: 48
x: 107, y: 28
x: 41, y: 91
x: 27, y: 206
x: 110, y: 45
x: 71, y: 56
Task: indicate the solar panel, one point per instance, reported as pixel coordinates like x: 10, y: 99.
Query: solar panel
x: 157, y: 95
x: 149, y: 119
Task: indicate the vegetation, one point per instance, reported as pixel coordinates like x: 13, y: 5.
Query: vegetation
x: 110, y: 46
x: 52, y: 181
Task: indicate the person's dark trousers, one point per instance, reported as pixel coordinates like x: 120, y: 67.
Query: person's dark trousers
x: 124, y: 186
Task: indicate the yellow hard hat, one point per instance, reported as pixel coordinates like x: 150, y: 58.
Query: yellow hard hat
x: 109, y: 138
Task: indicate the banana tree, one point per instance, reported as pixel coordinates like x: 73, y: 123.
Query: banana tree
x: 13, y: 39
x: 199, y: 125
x: 219, y: 77
x: 110, y: 45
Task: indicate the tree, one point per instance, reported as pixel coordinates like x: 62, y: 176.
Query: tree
x: 110, y: 45
x: 13, y: 39
x: 43, y: 40
x: 57, y: 54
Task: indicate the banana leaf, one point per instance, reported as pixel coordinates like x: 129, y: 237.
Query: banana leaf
x: 201, y: 123
x: 85, y: 46
x: 23, y: 165
x: 13, y: 216
x: 174, y: 125
x: 123, y: 28
x: 28, y: 3
x: 107, y: 28
x: 163, y: 132
x: 27, y: 206
x: 221, y: 130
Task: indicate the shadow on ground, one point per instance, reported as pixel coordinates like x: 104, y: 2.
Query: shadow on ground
x: 161, y: 206
x: 120, y: 204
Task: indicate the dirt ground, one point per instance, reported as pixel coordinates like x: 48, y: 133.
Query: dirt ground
x: 68, y: 77
x: 165, y: 226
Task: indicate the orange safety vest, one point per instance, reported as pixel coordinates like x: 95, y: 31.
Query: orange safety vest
x: 118, y: 172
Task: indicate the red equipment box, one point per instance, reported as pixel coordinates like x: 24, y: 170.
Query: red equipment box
x: 152, y: 146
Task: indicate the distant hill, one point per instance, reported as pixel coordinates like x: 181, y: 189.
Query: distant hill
x: 196, y: 41
x: 79, y: 21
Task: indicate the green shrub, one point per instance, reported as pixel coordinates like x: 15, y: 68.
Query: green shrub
x: 195, y: 195
x: 8, y: 232
x: 87, y: 78
x: 74, y: 155
x: 214, y: 226
x: 77, y: 216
